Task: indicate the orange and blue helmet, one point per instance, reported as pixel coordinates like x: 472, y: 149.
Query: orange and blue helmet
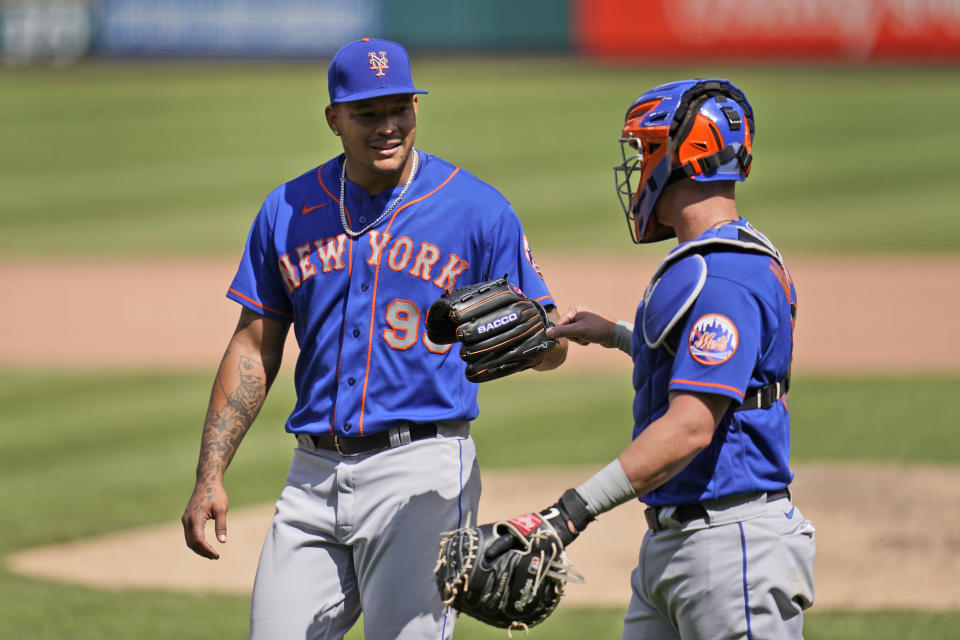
x: 699, y: 129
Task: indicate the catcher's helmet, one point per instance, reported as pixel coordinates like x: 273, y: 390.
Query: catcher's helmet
x: 701, y: 129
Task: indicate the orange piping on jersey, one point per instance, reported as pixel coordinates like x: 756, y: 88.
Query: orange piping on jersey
x: 337, y: 200
x: 320, y: 180
x: 336, y: 378
x: 332, y: 197
x: 543, y: 297
x: 343, y: 331
x: 373, y: 301
x: 424, y: 197
x: 708, y: 384
x: 343, y: 327
x: 254, y: 302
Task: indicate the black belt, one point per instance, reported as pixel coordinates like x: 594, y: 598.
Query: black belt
x: 766, y: 396
x: 684, y: 513
x: 379, y: 441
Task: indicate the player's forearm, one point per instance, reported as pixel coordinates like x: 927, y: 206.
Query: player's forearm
x: 238, y: 394
x: 248, y: 368
x: 555, y: 357
x: 672, y: 441
x: 585, y: 326
x: 648, y: 468
x: 558, y: 354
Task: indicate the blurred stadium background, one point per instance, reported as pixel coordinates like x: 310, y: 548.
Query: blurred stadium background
x: 748, y: 30
x: 151, y: 129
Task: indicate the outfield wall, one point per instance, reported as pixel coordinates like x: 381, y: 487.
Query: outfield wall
x: 764, y: 30
x: 623, y: 30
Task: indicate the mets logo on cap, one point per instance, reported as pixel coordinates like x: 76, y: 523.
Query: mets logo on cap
x: 378, y: 63
x: 713, y: 339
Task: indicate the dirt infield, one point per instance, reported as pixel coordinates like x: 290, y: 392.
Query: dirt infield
x: 866, y: 314
x: 877, y: 545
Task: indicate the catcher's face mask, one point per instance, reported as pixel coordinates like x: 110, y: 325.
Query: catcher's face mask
x: 642, y: 174
x: 698, y: 129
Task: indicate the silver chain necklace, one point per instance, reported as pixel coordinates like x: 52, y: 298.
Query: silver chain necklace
x: 386, y: 212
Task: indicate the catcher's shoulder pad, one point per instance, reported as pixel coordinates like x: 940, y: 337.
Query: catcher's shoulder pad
x: 670, y: 296
x: 731, y: 237
x: 680, y: 277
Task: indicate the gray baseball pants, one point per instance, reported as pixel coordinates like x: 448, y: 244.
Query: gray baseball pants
x: 362, y: 533
x: 745, y: 571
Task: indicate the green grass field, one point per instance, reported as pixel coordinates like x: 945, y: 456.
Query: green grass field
x: 163, y: 159
x: 175, y: 158
x: 117, y: 450
x: 133, y: 438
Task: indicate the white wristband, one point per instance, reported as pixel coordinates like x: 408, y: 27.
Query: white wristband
x: 622, y: 337
x: 608, y: 488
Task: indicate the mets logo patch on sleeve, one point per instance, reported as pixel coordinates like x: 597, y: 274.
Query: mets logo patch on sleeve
x: 713, y: 339
x: 529, y: 253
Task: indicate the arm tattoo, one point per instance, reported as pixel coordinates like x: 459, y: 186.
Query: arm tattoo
x: 238, y: 394
x: 227, y: 424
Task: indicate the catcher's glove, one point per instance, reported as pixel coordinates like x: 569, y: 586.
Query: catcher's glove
x: 508, y: 574
x: 502, y: 330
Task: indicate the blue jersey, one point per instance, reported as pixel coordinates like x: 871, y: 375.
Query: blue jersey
x: 737, y: 336
x: 358, y: 305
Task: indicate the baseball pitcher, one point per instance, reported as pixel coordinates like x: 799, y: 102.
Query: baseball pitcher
x: 352, y: 254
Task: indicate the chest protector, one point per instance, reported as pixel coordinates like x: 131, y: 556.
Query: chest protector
x: 678, y: 281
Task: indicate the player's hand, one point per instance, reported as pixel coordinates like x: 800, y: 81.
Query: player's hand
x: 584, y: 326
x: 568, y: 517
x: 208, y: 502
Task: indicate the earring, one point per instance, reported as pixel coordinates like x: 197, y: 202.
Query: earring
x: 336, y: 133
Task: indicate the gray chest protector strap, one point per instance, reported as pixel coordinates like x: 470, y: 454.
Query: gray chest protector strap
x: 678, y: 282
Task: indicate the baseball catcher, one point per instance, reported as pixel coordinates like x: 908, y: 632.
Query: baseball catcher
x: 502, y: 331
x: 511, y: 573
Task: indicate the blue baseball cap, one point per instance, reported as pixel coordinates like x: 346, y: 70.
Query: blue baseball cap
x: 369, y: 68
